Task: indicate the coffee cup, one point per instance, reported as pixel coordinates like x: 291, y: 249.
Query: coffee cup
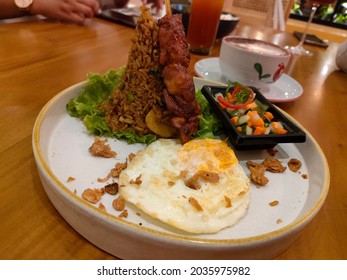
x: 252, y: 62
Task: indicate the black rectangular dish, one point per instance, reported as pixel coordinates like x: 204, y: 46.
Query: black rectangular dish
x: 242, y: 141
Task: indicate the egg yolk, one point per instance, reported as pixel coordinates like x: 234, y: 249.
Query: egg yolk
x: 207, y: 154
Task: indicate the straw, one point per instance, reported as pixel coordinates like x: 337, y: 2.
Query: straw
x: 278, y: 16
x: 281, y: 16
x: 275, y: 16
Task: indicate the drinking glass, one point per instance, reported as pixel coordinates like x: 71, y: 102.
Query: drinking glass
x: 299, y: 48
x: 203, y: 25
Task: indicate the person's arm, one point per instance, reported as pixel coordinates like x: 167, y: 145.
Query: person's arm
x: 8, y: 9
x: 66, y: 10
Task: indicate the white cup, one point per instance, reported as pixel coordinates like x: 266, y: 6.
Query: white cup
x: 341, y: 57
x: 252, y: 62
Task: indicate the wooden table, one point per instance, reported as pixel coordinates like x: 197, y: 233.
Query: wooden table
x: 40, y: 58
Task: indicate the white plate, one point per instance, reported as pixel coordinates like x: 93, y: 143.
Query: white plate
x: 60, y: 145
x: 285, y: 89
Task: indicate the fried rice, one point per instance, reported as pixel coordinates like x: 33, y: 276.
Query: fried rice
x: 140, y: 87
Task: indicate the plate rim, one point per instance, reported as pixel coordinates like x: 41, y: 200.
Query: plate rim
x: 191, y: 239
x: 275, y: 100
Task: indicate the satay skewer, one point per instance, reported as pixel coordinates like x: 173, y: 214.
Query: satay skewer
x: 168, y: 7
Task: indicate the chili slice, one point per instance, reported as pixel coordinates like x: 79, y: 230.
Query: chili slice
x: 225, y: 103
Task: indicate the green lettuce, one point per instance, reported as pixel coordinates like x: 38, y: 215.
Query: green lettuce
x: 85, y: 106
x: 99, y: 87
x: 209, y: 124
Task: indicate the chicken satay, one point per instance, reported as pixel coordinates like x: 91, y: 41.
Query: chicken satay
x: 184, y: 116
x: 178, y: 81
x: 179, y: 96
x: 173, y: 43
x: 186, y: 129
x: 180, y: 107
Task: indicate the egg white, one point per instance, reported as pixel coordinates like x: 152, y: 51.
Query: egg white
x: 162, y: 193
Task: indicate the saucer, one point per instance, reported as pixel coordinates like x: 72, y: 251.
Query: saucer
x: 285, y: 89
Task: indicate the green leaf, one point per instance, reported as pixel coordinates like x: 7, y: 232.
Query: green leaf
x: 97, y: 125
x: 243, y: 95
x: 131, y: 137
x: 97, y: 89
x: 85, y: 106
x: 209, y: 123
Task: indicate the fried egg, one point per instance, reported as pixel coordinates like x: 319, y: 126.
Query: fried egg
x: 198, y: 187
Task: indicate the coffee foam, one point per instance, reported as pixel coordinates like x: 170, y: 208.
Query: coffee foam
x: 256, y: 46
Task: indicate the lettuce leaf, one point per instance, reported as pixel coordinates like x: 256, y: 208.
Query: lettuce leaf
x: 97, y: 89
x: 209, y: 124
x: 85, y: 107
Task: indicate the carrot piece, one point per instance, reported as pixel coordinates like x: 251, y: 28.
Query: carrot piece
x: 239, y: 128
x: 255, y: 119
x: 251, y: 114
x: 269, y: 115
x: 258, y: 122
x: 234, y: 119
x: 276, y: 125
x: 230, y: 97
x: 259, y: 130
x: 277, y: 128
x: 281, y: 131
x: 252, y: 105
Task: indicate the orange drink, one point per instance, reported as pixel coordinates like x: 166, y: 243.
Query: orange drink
x: 203, y: 25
